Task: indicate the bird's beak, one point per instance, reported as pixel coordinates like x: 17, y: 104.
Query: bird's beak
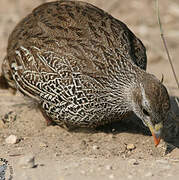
x: 156, y: 132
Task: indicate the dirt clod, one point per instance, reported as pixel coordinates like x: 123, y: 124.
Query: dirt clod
x: 12, y: 139
x: 130, y: 146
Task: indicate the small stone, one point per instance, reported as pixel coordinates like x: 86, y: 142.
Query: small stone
x: 133, y: 162
x: 130, y: 146
x: 113, y: 130
x: 95, y: 147
x: 12, y: 139
x: 27, y: 161
x: 42, y: 144
x: 111, y: 176
x: 108, y: 167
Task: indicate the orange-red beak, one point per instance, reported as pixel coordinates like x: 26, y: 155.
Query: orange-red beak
x: 156, y: 132
x: 156, y: 139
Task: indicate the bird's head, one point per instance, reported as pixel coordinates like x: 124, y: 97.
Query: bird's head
x: 151, y: 104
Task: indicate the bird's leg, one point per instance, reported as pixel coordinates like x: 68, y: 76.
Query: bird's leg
x: 47, y: 118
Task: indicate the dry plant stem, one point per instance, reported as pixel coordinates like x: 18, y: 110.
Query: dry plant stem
x: 165, y: 44
x: 177, y: 101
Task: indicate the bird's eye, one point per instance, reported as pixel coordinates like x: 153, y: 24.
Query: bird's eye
x: 146, y: 112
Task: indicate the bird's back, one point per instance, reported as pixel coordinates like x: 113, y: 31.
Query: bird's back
x: 69, y: 51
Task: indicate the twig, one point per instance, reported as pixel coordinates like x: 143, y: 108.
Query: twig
x: 164, y: 42
x: 176, y: 99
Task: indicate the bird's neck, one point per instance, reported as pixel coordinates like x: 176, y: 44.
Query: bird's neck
x: 128, y: 89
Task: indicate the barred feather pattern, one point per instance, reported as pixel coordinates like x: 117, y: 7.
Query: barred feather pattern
x: 77, y: 61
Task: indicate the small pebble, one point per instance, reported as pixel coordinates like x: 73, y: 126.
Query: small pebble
x: 12, y: 139
x: 113, y: 130
x: 27, y: 161
x: 109, y: 167
x: 95, y: 147
x: 130, y: 146
x: 133, y: 162
x: 42, y: 144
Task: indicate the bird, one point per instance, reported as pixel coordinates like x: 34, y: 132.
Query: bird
x: 83, y: 67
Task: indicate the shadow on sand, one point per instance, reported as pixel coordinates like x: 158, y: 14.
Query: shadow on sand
x: 134, y: 125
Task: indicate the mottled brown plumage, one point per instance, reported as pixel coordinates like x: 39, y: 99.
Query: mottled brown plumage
x: 84, y: 67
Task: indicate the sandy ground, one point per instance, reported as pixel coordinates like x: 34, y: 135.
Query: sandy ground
x: 103, y: 153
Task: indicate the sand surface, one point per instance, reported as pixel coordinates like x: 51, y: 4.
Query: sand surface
x: 104, y: 153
